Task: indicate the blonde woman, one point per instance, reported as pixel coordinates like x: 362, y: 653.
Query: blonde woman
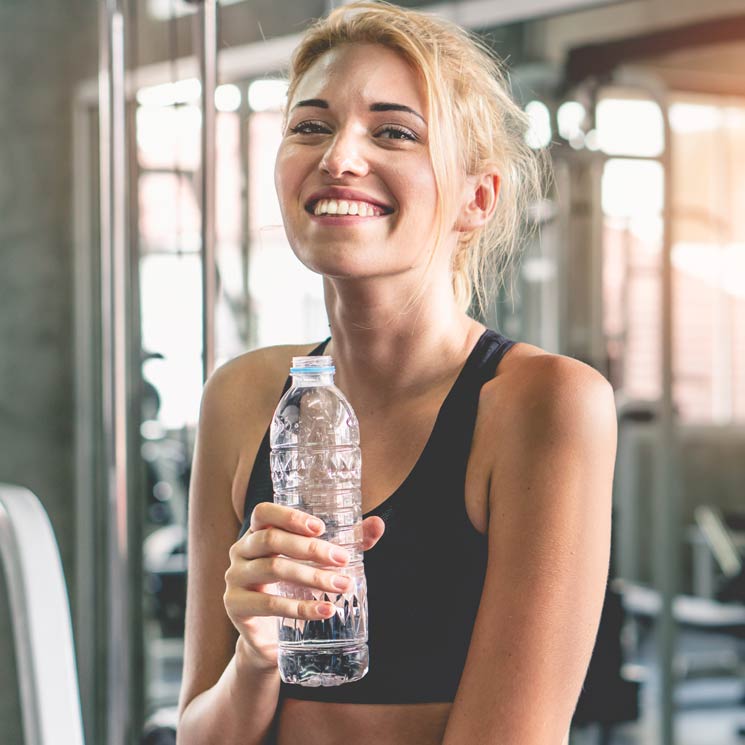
x: 487, y: 464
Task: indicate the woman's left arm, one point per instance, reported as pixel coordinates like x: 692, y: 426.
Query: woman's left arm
x: 549, y: 534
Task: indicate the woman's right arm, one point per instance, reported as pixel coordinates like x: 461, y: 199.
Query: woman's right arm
x: 225, y: 697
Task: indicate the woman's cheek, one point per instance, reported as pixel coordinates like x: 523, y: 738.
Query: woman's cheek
x: 279, y: 174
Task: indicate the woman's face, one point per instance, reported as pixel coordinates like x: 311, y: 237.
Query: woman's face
x: 355, y: 184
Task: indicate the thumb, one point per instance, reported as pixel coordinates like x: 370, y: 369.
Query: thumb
x: 372, y: 530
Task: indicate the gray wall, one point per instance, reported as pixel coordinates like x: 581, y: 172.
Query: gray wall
x: 45, y: 47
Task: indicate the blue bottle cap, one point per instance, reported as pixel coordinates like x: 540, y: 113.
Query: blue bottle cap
x: 310, y: 365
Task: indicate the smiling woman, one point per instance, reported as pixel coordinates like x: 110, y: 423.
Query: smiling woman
x: 402, y: 176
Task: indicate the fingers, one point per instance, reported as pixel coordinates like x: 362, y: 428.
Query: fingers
x: 273, y: 541
x: 247, y: 604
x: 269, y: 570
x: 280, y: 552
x: 268, y: 514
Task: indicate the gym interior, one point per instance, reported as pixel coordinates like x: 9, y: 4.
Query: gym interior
x: 143, y: 247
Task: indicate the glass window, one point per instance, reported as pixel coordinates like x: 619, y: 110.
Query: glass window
x: 707, y: 151
x: 708, y: 255
x: 630, y: 126
x: 632, y: 198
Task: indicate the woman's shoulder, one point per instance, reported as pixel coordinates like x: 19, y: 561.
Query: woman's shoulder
x: 529, y: 377
x: 532, y: 393
x: 245, y: 389
x: 533, y: 364
x: 257, y: 371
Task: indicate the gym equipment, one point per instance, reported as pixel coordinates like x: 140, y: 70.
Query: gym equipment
x: 40, y: 617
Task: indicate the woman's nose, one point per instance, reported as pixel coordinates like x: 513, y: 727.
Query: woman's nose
x: 344, y: 156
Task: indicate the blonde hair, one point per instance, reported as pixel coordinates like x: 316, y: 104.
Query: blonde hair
x: 479, y: 127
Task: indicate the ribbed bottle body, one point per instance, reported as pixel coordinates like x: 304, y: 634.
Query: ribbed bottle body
x: 316, y: 467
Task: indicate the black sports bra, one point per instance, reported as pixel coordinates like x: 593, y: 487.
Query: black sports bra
x: 425, y: 575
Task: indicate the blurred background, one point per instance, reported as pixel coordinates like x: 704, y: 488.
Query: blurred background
x: 142, y: 247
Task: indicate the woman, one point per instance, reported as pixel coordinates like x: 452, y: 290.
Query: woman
x: 487, y: 465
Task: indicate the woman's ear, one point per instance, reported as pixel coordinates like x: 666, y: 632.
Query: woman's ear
x: 480, y: 196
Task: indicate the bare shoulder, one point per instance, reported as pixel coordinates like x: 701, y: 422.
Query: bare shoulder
x: 251, y: 383
x: 559, y: 416
x: 533, y: 396
x: 533, y: 381
x: 262, y: 364
x: 243, y: 393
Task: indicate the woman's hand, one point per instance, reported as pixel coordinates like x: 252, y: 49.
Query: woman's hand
x: 256, y: 565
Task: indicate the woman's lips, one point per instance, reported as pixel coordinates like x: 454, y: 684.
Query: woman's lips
x: 345, y: 211
x: 346, y: 205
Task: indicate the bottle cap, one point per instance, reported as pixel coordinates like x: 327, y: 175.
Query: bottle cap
x: 309, y: 365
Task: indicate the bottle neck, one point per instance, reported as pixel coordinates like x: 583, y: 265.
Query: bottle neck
x: 306, y: 380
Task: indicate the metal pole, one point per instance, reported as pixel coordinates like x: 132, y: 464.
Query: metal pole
x: 114, y: 361
x: 666, y: 495
x: 562, y: 176
x: 248, y: 329
x: 136, y: 482
x: 666, y: 530
x: 86, y: 402
x: 208, y: 75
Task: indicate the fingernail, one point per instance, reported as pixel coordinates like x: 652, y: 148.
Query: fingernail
x: 315, y: 525
x: 340, y: 582
x: 324, y: 609
x: 339, y: 555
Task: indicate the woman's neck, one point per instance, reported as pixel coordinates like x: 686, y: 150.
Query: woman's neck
x: 383, y: 355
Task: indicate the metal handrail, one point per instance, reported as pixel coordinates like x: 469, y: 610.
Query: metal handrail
x: 40, y: 617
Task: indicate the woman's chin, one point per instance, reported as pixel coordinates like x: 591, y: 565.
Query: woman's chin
x: 344, y: 268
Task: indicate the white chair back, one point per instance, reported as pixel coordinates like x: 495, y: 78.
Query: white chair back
x: 40, y: 616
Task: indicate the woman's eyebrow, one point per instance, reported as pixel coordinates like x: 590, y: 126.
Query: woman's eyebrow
x: 395, y: 107
x: 321, y: 103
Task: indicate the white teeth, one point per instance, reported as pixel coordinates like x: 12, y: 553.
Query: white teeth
x: 345, y: 207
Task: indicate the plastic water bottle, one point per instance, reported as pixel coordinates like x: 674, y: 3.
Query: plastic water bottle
x: 316, y: 467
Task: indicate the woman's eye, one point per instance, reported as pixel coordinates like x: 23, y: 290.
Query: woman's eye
x: 398, y: 133
x: 309, y: 128
x: 389, y: 132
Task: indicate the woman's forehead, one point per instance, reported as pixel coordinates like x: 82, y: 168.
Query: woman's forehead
x: 371, y: 71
